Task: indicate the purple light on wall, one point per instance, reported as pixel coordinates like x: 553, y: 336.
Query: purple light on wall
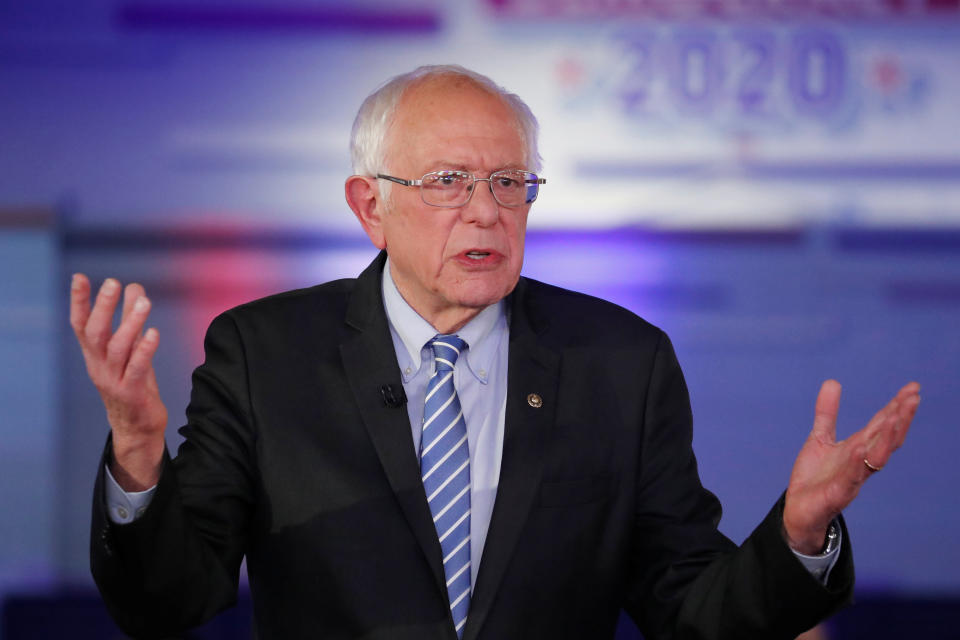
x: 276, y: 18
x: 612, y: 264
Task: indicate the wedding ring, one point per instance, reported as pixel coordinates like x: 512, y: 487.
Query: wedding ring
x: 872, y: 468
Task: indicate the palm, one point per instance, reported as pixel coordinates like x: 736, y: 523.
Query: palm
x: 137, y: 404
x: 828, y: 474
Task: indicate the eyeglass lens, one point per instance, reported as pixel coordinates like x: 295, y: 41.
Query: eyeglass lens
x: 511, y: 188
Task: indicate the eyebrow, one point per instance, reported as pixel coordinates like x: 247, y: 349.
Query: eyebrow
x: 445, y: 165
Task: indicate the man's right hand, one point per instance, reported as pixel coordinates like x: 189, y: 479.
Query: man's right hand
x: 119, y: 364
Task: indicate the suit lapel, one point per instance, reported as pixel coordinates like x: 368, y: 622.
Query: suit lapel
x: 370, y: 362
x: 532, y: 369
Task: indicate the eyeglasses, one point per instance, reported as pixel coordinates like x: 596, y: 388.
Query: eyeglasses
x: 510, y: 187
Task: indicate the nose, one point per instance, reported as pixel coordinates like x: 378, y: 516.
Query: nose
x: 482, y: 208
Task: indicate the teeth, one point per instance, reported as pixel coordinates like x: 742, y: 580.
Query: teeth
x: 477, y: 255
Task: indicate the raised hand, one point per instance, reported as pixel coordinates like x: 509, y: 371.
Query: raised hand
x: 827, y: 474
x: 119, y: 364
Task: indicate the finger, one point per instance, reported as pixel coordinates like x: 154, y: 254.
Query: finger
x: 909, y: 389
x: 139, y: 366
x: 899, y: 403
x: 909, y: 392
x: 121, y: 344
x: 908, y: 409
x: 97, y: 330
x: 869, y: 432
x: 79, y: 304
x: 825, y: 414
x: 130, y: 294
x: 882, y: 445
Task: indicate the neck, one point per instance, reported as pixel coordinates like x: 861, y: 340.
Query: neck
x: 445, y: 320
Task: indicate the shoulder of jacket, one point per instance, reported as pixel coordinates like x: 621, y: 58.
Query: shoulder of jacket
x: 583, y: 313
x: 327, y: 296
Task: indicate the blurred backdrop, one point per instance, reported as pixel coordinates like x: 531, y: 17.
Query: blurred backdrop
x: 776, y: 183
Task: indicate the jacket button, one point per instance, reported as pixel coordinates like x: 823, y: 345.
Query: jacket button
x: 534, y: 400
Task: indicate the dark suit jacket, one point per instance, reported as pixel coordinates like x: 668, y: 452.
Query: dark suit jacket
x: 293, y: 460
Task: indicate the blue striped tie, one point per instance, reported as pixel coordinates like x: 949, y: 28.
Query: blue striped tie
x: 445, y: 469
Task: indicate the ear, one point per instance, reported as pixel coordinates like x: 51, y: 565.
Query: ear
x: 363, y: 197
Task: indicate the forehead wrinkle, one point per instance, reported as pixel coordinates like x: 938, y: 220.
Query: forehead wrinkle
x: 430, y: 92
x: 473, y: 156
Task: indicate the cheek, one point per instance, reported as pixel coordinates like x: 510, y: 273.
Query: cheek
x: 518, y: 234
x: 427, y: 247
x: 416, y: 236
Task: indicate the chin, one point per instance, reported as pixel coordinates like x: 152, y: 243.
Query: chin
x: 478, y: 295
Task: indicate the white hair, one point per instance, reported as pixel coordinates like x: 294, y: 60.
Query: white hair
x: 368, y: 140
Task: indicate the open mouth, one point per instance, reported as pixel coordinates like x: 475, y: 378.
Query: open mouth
x: 477, y: 255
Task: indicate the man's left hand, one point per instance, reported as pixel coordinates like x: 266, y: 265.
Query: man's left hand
x: 827, y: 474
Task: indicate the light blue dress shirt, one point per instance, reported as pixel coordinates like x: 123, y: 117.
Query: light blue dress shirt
x: 482, y: 389
x: 480, y: 377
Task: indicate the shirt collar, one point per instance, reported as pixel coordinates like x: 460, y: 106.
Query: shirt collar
x: 482, y: 334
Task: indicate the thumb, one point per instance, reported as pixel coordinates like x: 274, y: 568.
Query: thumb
x: 825, y: 414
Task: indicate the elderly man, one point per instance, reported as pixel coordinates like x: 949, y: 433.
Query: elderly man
x: 441, y: 448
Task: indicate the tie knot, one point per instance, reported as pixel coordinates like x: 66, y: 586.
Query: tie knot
x: 446, y: 350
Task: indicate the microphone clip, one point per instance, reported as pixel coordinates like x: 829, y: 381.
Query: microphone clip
x: 393, y: 395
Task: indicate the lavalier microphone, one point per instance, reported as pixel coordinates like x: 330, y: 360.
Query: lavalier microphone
x: 393, y: 395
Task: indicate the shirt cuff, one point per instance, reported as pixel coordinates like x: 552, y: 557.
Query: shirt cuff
x: 124, y: 507
x: 820, y: 566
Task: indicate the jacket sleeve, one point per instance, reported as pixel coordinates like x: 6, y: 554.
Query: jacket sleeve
x: 689, y: 582
x: 178, y: 564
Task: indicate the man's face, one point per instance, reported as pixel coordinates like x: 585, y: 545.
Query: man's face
x: 453, y: 262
